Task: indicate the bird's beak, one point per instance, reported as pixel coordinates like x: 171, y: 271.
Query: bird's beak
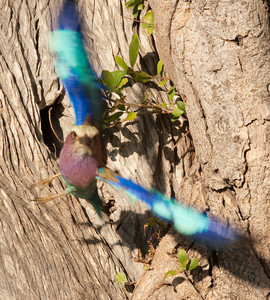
x: 86, y: 140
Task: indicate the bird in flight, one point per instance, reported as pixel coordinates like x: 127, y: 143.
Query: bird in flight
x: 82, y: 161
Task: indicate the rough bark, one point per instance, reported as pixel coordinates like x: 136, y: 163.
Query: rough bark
x: 61, y: 250
x: 217, y: 54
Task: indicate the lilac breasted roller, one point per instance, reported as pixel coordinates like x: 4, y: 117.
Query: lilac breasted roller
x: 81, y: 155
x: 81, y: 160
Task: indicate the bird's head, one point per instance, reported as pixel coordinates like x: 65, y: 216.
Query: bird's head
x: 83, y: 139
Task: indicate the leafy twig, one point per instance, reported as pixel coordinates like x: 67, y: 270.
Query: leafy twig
x: 185, y: 263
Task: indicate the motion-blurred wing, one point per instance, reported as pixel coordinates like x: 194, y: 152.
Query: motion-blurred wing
x: 186, y: 220
x: 73, y: 67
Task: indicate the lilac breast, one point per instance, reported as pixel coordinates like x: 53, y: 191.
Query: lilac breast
x: 79, y: 171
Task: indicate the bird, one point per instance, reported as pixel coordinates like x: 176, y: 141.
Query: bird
x: 82, y: 153
x: 82, y: 160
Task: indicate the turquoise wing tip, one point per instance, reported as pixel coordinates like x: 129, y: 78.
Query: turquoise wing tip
x: 203, y: 229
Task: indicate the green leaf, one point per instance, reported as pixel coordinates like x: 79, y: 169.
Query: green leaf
x: 141, y: 76
x: 121, y: 278
x: 177, y: 112
x: 117, y: 76
x: 164, y: 105
x: 172, y: 88
x: 182, y: 257
x: 181, y: 105
x: 121, y: 63
x: 131, y: 116
x: 149, y: 17
x: 135, y: 12
x: 159, y: 67
x: 121, y: 107
x: 171, y: 93
x: 145, y: 25
x: 170, y: 273
x: 133, y: 50
x: 144, y: 100
x: 122, y: 83
x: 192, y: 264
x: 130, y: 3
x: 107, y: 77
x: 137, y: 5
x: 113, y: 117
x: 150, y: 30
x: 161, y: 83
x: 112, y: 79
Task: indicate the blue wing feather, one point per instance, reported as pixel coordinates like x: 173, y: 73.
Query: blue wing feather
x: 73, y: 67
x: 186, y: 220
x: 68, y: 19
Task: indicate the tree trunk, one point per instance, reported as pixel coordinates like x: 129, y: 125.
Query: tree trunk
x: 217, y: 56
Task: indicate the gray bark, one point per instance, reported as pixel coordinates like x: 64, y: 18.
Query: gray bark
x: 218, y: 57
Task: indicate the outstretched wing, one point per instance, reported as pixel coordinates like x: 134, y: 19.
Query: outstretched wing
x: 202, y: 228
x: 73, y: 67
